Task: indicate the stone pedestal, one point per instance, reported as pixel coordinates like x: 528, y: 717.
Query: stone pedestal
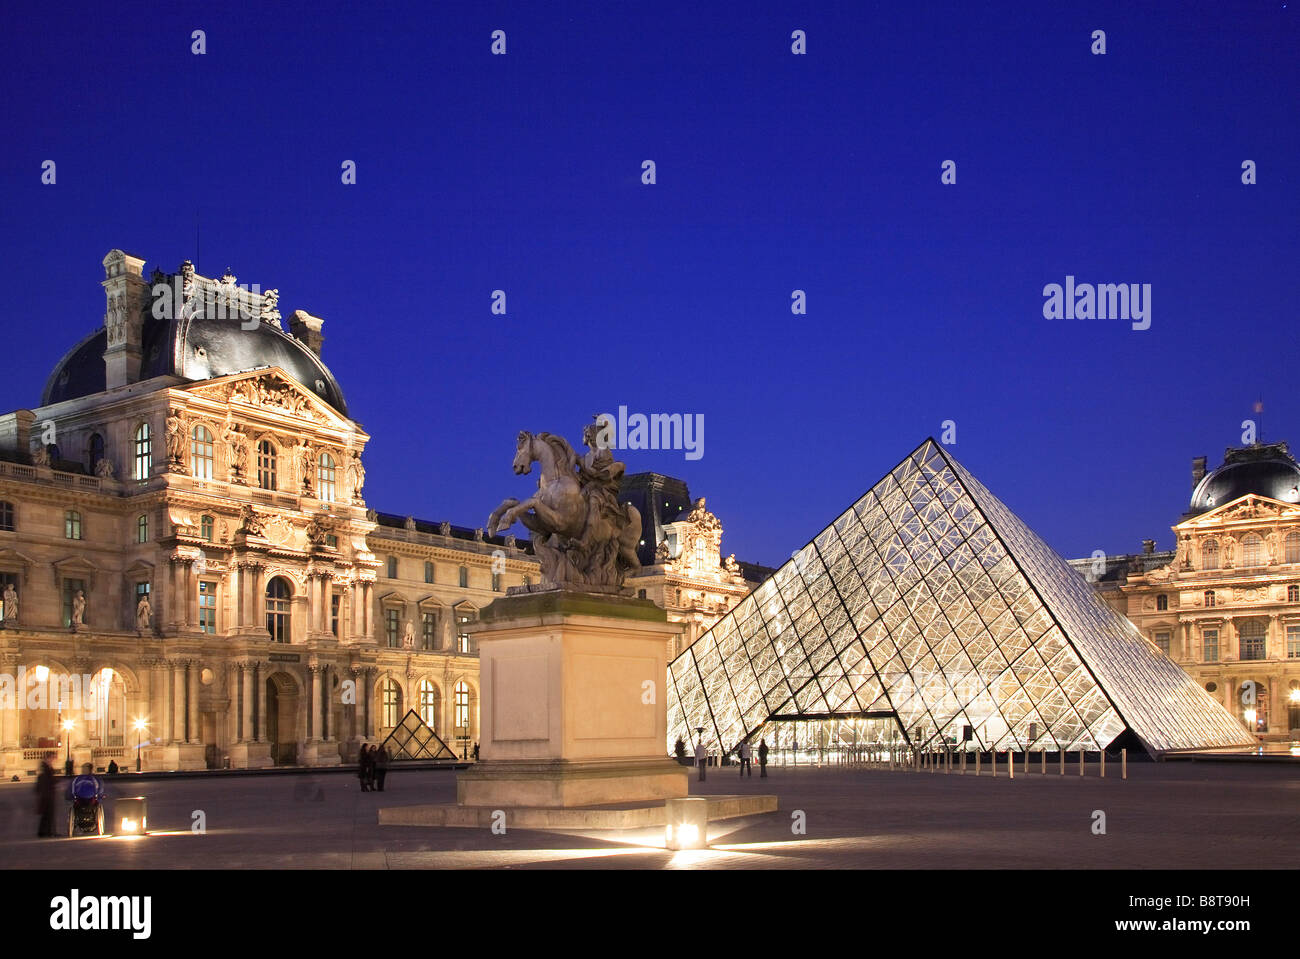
x: 250, y: 755
x: 572, y: 703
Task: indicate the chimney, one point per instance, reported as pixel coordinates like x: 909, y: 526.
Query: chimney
x: 1148, y: 547
x: 16, y: 431
x: 1198, y: 469
x: 127, y: 297
x: 306, y: 328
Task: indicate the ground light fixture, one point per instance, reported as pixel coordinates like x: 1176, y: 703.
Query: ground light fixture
x: 132, y: 816
x: 686, y: 823
x: 67, y: 735
x: 140, y: 725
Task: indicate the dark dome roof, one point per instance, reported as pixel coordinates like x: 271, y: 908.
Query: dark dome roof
x: 196, y: 349
x: 1266, y: 471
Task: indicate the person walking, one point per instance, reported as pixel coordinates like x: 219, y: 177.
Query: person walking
x: 45, y: 798
x: 762, y: 759
x: 745, y: 763
x: 701, y: 757
x: 381, y: 766
x: 476, y: 752
x: 364, y: 769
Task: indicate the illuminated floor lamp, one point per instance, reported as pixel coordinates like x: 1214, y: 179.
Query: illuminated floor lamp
x: 67, y: 735
x: 140, y: 725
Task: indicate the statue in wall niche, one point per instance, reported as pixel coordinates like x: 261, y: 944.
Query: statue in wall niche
x: 175, y: 439
x: 306, y: 458
x: 11, y: 605
x: 584, y: 538
x: 408, y: 639
x: 78, y: 610
x: 236, y: 450
x: 143, y: 613
x: 317, y: 532
x: 104, y: 469
x: 41, y: 456
x: 356, y: 475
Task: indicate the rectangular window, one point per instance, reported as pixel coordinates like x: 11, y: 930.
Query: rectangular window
x: 266, y: 465
x: 142, y: 528
x: 463, y: 642
x: 429, y: 630
x: 336, y: 602
x: 428, y: 572
x: 72, y: 524
x: 392, y: 567
x: 207, y: 607
x: 332, y: 541
x: 1252, y: 641
x: 496, y: 582
x: 1293, y: 642
x: 206, y: 524
x: 1162, y: 640
x: 391, y: 628
x: 464, y: 578
x: 1210, y: 645
x: 71, y: 587
x: 6, y: 516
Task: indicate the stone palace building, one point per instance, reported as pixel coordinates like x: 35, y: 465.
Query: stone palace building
x: 1225, y: 604
x: 190, y: 573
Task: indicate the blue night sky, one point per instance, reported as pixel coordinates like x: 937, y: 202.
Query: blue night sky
x: 775, y: 172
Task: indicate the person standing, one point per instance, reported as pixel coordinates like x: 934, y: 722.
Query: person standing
x: 381, y: 766
x: 745, y: 763
x: 762, y: 759
x: 45, y: 798
x: 363, y: 767
x: 701, y: 757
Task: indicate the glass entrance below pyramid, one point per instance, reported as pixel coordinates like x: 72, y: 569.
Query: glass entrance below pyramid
x: 829, y: 741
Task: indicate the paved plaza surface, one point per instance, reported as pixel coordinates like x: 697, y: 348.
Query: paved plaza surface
x: 1172, y: 815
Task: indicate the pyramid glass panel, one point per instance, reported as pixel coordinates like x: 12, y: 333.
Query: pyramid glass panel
x: 930, y: 612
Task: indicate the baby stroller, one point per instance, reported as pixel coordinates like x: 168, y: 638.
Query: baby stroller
x: 86, y: 817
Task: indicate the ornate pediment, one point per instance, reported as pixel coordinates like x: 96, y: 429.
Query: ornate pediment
x: 269, y: 390
x: 1250, y: 506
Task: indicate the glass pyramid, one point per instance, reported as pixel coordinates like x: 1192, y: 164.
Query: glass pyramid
x: 929, y: 611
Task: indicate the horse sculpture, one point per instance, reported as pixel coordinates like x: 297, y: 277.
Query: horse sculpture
x: 582, y: 535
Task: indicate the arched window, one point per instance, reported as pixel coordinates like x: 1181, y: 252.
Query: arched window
x: 325, y: 477
x: 1162, y: 602
x: 1209, y: 597
x: 71, y: 524
x: 142, y: 528
x: 266, y: 457
x: 462, y: 706
x: 278, y: 595
x: 6, y: 516
x: 428, y: 572
x: 391, y: 699
x: 142, y: 458
x: 94, y: 451
x: 205, y: 527
x: 1210, y: 554
x: 1292, y: 546
x: 429, y: 704
x: 1252, y: 550
x: 201, y: 453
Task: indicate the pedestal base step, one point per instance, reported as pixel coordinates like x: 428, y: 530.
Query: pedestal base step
x: 630, y: 816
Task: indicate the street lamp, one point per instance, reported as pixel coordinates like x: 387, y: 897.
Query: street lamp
x: 67, y: 736
x: 140, y: 724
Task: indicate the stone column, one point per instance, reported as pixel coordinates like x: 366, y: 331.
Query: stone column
x: 246, y: 702
x: 324, y: 702
x: 259, y: 721
x: 235, y: 712
x: 237, y: 593
x: 310, y: 678
x: 313, y: 624
x: 368, y: 683
x: 191, y: 595
x: 157, y: 701
x: 368, y: 613
x: 178, y: 702
x: 195, y: 733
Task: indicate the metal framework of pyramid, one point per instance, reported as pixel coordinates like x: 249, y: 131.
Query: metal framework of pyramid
x: 929, y: 605
x: 413, y: 739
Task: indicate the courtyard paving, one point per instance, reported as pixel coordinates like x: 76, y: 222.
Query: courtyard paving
x: 1174, y: 815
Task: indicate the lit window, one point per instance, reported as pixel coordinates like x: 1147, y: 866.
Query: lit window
x: 266, y: 457
x: 1292, y: 545
x: 392, y: 702
x: 428, y: 572
x: 72, y: 524
x: 142, y: 528
x: 392, y: 627
x: 201, y: 453
x: 1210, y: 554
x: 207, y: 607
x: 6, y: 516
x: 1162, y: 602
x: 1251, y: 636
x: 206, y: 524
x: 1252, y: 550
x: 142, y: 461
x: 325, y: 473
x: 278, y: 595
x: 1209, y: 597
x: 1210, y: 645
x: 429, y: 704
x: 462, y: 706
